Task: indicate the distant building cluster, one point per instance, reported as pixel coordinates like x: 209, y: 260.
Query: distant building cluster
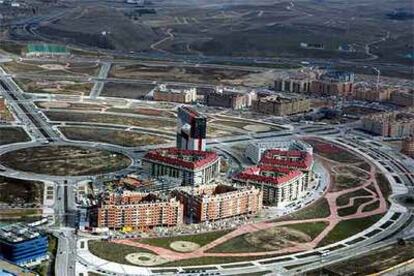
x: 317, y: 82
x: 168, y: 93
x: 281, y: 105
x: 229, y: 98
x: 215, y: 202
x: 397, y: 96
x: 284, y: 174
x: 408, y: 146
x: 341, y: 84
x: 393, y: 124
x: 23, y: 245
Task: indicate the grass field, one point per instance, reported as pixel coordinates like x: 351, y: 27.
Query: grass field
x: 45, y: 86
x: 126, y: 90
x: 348, y: 228
x: 112, y: 136
x: 64, y: 160
x: 201, y: 239
x: 352, y: 209
x: 271, y: 239
x: 112, y: 119
x: 318, y: 209
x: 10, y: 135
x: 370, y: 263
x: 344, y: 199
x: 113, y: 252
x: 16, y: 191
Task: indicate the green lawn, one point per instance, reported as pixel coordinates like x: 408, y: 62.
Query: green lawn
x: 344, y: 199
x: 318, y: 209
x: 113, y: 252
x: 375, y: 261
x: 352, y: 209
x: 371, y: 207
x: 312, y: 229
x: 201, y: 239
x: 344, y: 181
x: 9, y: 135
x: 347, y: 228
x: 241, y: 243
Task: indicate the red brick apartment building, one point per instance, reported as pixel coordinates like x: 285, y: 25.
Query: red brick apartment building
x: 137, y: 210
x: 215, y: 202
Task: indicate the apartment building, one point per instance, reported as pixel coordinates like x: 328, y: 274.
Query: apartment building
x: 215, y: 202
x: 137, y: 211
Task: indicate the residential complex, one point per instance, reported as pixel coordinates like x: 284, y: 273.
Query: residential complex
x: 394, y: 124
x: 228, y: 99
x: 255, y: 150
x: 23, y: 245
x: 372, y: 94
x: 174, y: 94
x: 137, y: 211
x: 404, y: 98
x: 281, y: 105
x: 295, y: 82
x: 408, y: 146
x: 318, y: 82
x: 280, y: 186
x: 191, y: 129
x: 333, y: 83
x: 192, y: 166
x: 284, y: 174
x: 215, y: 202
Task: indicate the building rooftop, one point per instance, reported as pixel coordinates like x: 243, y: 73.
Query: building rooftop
x: 190, y: 159
x: 18, y: 232
x: 288, y: 158
x: 268, y: 174
x: 131, y: 198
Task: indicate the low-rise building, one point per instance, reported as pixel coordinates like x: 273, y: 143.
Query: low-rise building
x: 44, y: 49
x: 281, y: 105
x: 215, y: 202
x: 228, y: 99
x: 136, y: 211
x: 168, y: 93
x: 393, y: 124
x: 194, y: 167
x: 408, y: 146
x: 23, y: 245
x: 255, y: 150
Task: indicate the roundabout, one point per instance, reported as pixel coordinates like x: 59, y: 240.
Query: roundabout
x: 184, y: 246
x: 145, y: 259
x: 64, y: 160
